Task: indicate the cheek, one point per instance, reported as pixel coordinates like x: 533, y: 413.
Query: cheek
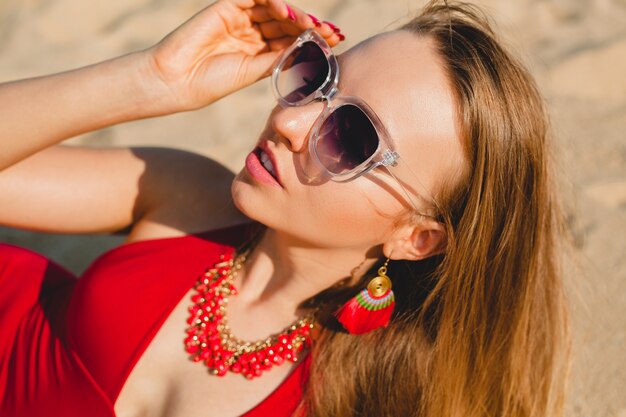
x: 342, y: 217
x: 327, y: 215
x: 359, y: 213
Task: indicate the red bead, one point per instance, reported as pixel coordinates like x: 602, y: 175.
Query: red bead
x: 204, y: 342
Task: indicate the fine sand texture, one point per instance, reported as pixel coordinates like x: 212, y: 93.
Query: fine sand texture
x: 575, y: 48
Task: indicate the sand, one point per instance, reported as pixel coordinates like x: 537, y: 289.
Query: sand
x: 575, y: 48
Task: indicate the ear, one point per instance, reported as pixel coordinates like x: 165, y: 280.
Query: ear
x: 415, y: 242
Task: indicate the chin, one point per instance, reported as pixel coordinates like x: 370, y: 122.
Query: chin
x: 251, y: 200
x: 244, y: 195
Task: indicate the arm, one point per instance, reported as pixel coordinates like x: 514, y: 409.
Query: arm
x: 73, y: 189
x: 223, y: 48
x: 47, y: 187
x: 40, y: 112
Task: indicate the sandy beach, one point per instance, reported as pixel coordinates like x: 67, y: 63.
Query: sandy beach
x: 575, y: 48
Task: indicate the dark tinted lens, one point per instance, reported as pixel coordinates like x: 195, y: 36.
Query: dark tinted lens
x: 304, y: 71
x: 347, y: 138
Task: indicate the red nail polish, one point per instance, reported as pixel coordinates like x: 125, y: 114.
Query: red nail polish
x: 290, y: 13
x: 341, y: 36
x: 315, y: 20
x: 333, y: 27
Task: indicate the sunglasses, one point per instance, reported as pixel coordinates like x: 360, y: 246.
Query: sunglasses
x: 347, y: 139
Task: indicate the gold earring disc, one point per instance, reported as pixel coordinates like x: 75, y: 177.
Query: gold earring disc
x: 379, y: 286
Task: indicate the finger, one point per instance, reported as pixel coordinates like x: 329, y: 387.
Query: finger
x: 279, y: 19
x: 274, y: 29
x: 247, y: 4
x: 284, y: 13
x: 269, y: 11
x: 280, y: 30
x: 334, y: 39
x: 327, y: 29
x: 259, y: 67
x: 281, y: 44
x: 260, y: 14
x: 299, y: 18
x: 278, y: 8
x: 303, y: 21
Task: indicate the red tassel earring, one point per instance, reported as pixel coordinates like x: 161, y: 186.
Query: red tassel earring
x: 371, y: 308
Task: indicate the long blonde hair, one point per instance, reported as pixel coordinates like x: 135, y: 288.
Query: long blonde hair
x: 481, y: 330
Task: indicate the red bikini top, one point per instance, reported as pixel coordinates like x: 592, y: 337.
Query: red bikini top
x: 114, y: 311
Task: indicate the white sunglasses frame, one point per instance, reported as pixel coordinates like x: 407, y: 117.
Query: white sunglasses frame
x: 328, y: 93
x: 385, y: 154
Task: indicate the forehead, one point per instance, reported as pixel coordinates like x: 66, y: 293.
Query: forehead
x: 401, y: 77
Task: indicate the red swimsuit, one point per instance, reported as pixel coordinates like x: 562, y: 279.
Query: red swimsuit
x: 67, y: 346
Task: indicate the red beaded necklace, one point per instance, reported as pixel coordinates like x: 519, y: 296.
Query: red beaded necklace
x: 209, y: 339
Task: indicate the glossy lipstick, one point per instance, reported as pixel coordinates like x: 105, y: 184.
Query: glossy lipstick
x: 257, y: 170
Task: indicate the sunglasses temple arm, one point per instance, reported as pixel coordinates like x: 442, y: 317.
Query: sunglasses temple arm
x: 404, y: 190
x: 365, y: 171
x: 390, y: 159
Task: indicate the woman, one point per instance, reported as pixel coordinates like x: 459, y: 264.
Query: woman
x: 418, y: 160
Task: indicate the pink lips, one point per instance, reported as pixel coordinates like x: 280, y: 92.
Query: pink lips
x: 256, y: 168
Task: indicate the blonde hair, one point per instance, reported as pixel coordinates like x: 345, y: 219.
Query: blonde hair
x: 481, y: 330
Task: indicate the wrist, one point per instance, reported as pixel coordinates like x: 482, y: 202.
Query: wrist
x: 154, y: 95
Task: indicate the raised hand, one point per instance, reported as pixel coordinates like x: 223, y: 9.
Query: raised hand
x: 227, y: 46
x: 223, y: 48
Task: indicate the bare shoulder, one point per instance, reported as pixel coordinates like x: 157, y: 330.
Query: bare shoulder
x: 184, y: 193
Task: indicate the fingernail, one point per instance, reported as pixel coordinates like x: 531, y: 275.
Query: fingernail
x: 341, y: 36
x: 315, y: 20
x: 290, y: 13
x: 333, y: 27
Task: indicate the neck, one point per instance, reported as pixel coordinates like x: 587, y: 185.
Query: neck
x: 282, y: 272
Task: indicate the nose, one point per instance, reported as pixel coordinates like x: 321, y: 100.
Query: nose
x: 293, y: 124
